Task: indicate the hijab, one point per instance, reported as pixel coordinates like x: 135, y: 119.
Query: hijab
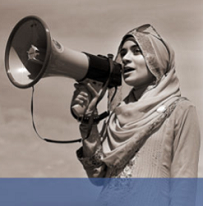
x: 133, y: 121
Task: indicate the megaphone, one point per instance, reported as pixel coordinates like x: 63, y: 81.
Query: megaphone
x: 31, y: 54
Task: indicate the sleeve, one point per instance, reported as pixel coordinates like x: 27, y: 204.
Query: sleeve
x: 186, y: 145
x: 90, y: 154
x: 184, y: 168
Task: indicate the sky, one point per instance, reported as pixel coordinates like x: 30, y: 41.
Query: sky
x: 95, y: 27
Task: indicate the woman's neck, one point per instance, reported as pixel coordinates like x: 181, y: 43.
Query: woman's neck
x: 138, y: 92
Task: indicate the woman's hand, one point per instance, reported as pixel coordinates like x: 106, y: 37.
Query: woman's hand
x: 84, y: 99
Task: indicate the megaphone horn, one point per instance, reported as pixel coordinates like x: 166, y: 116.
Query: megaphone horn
x: 31, y: 54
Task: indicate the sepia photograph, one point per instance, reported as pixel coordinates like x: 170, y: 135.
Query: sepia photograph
x: 101, y: 102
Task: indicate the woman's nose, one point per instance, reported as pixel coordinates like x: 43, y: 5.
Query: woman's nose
x: 126, y: 58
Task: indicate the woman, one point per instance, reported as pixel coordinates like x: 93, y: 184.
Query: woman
x: 153, y: 132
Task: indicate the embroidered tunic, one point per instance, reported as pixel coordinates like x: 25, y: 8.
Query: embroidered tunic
x: 171, y: 151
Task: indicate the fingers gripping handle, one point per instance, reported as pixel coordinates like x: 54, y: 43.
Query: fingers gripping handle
x: 80, y: 109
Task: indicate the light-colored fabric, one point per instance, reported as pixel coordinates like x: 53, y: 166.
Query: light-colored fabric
x: 171, y: 151
x: 128, y: 126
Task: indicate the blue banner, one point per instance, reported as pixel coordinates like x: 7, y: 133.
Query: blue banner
x: 93, y: 192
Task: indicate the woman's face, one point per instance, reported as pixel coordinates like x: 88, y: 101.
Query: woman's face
x: 135, y: 71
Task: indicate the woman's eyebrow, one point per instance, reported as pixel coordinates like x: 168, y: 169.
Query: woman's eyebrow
x: 123, y: 49
x: 135, y: 45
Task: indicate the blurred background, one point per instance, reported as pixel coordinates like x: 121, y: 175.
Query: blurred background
x: 96, y: 27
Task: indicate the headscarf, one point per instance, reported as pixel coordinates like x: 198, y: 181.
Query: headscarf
x: 133, y: 121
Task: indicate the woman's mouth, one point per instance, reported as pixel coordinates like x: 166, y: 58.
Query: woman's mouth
x: 128, y: 69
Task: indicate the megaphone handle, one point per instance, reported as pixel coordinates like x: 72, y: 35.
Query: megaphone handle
x: 102, y: 93
x: 79, y: 110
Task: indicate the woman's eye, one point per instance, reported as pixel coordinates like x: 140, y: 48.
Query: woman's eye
x: 136, y: 50
x: 122, y: 53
